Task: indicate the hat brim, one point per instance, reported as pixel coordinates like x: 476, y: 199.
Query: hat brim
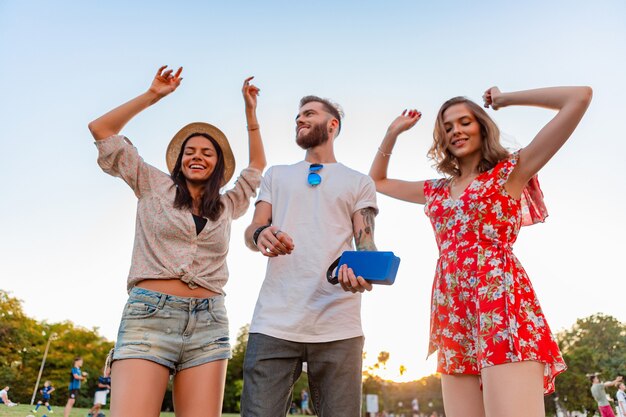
x: 173, y: 149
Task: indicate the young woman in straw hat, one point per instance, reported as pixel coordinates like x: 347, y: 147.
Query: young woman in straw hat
x: 175, y: 321
x: 486, y: 323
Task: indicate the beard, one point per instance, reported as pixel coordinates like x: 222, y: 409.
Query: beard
x: 317, y: 135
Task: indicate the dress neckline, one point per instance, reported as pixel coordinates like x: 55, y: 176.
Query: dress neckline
x: 462, y: 194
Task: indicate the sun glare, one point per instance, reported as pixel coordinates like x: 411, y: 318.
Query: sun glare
x: 399, y: 369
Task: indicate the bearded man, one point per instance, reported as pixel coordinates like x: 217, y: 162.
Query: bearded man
x: 306, y: 215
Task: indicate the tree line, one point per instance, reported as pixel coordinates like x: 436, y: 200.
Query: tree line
x: 593, y: 344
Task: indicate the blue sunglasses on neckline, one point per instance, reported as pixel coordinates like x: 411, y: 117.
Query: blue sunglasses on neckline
x: 314, y: 178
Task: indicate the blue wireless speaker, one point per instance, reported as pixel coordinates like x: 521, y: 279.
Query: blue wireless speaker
x: 376, y: 267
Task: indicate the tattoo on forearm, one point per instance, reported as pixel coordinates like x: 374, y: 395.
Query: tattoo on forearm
x: 364, y: 238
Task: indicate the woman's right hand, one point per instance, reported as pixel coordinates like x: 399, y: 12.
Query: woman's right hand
x: 404, y: 122
x: 164, y: 82
x: 250, y: 93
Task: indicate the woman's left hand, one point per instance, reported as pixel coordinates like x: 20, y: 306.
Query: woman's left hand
x: 250, y: 93
x: 490, y: 98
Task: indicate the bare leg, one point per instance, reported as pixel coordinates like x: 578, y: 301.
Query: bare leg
x: 462, y: 396
x: 199, y: 391
x: 138, y: 388
x: 68, y: 407
x: 514, y: 389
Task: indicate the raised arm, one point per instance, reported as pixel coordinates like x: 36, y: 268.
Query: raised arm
x: 615, y: 382
x: 412, y: 191
x: 112, y: 122
x: 571, y: 104
x: 257, y: 152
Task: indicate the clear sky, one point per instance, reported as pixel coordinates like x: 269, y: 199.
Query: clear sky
x: 66, y: 228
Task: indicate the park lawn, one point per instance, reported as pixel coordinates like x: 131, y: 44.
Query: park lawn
x: 24, y: 410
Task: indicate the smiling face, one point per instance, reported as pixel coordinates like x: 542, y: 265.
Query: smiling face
x: 314, y: 125
x: 199, y: 159
x: 463, y: 132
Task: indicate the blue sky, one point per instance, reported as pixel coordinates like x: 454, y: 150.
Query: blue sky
x: 67, y: 228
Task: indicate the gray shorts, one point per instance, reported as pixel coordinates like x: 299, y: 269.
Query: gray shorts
x: 176, y: 332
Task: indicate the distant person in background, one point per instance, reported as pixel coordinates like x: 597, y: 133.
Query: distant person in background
x: 46, y: 391
x: 621, y: 400
x: 76, y: 377
x: 102, y: 389
x: 599, y: 394
x: 304, y: 403
x: 4, y: 397
x: 415, y: 408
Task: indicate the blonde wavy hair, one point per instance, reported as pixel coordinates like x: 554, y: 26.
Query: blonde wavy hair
x: 492, y: 151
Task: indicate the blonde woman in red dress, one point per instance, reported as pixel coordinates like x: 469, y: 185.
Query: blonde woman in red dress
x: 486, y: 323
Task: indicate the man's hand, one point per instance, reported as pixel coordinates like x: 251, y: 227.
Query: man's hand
x: 273, y: 242
x: 352, y: 283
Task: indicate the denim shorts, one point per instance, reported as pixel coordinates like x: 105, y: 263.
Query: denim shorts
x: 176, y: 332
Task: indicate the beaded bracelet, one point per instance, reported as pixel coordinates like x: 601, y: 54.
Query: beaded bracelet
x: 383, y: 153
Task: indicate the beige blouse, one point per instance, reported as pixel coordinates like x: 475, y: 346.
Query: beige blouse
x: 166, y: 244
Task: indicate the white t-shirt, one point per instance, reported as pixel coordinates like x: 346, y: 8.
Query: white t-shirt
x: 296, y: 302
x: 621, y: 398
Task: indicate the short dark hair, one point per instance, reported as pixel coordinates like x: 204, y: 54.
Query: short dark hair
x: 332, y: 108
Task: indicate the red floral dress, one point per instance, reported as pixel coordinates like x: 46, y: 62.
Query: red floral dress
x: 484, y: 310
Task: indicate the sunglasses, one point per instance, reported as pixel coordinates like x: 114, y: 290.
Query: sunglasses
x: 314, y: 178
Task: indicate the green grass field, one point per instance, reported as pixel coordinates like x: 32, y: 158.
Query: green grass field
x: 25, y: 410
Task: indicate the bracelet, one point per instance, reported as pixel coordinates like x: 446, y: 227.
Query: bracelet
x: 257, y: 232
x: 253, y: 127
x: 383, y: 153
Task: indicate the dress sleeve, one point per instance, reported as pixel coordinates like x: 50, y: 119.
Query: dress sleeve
x: 118, y: 157
x: 245, y: 188
x: 533, y: 208
x: 432, y: 187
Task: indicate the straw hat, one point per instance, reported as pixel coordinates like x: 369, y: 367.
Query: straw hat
x: 173, y: 149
